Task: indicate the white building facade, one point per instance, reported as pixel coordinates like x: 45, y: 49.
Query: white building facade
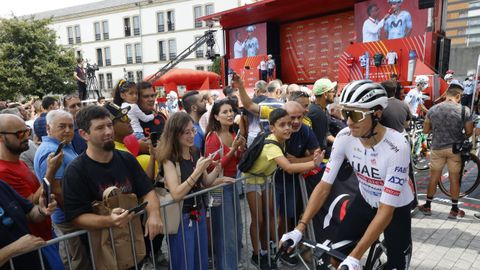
x: 134, y: 39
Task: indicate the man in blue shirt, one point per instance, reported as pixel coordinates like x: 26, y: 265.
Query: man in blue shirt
x: 195, y: 105
x: 60, y: 128
x: 468, y: 89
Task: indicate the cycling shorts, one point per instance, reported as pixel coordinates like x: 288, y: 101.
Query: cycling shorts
x: 398, y: 234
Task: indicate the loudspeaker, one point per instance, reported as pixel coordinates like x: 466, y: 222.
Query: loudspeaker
x: 443, y: 54
x: 426, y: 4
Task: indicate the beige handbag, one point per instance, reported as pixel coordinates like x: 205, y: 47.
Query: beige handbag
x: 121, y: 255
x: 171, y: 213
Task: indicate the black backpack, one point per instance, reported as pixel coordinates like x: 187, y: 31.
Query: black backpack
x: 254, y: 150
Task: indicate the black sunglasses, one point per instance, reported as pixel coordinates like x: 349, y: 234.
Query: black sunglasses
x: 19, y: 134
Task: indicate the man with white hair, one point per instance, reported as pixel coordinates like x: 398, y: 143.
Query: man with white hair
x: 60, y: 129
x: 399, y: 23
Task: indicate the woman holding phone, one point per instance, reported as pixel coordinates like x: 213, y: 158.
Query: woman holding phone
x: 226, y: 147
x: 188, y: 248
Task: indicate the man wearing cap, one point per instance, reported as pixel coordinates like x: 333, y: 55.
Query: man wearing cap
x: 121, y: 129
x: 251, y: 43
x: 468, y: 89
x: 323, y: 89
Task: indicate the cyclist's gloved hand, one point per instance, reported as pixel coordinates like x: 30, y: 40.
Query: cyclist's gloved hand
x: 352, y: 263
x: 294, y: 235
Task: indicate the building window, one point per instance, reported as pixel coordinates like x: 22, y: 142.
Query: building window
x: 70, y: 35
x: 160, y: 22
x: 108, y: 61
x: 101, y: 81
x: 209, y: 9
x: 109, y: 81
x: 78, y: 38
x: 130, y: 76
x: 136, y: 25
x: 126, y: 25
x: 197, y: 13
x: 200, y: 68
x: 139, y: 76
x: 172, y: 49
x: 99, y: 57
x: 105, y: 30
x: 199, y: 52
x: 96, y: 26
x: 162, y: 50
x: 171, y: 20
x: 128, y: 53
x: 138, y: 53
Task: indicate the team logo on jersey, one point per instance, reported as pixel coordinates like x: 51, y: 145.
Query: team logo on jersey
x: 392, y: 146
x: 391, y: 191
x: 396, y: 24
x: 401, y: 169
x: 397, y: 180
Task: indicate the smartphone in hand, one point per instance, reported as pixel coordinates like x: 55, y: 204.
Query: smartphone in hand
x: 138, y: 208
x: 60, y: 147
x: 47, y: 190
x: 154, y: 138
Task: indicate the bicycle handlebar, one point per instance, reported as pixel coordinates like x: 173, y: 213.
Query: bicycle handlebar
x: 318, y: 250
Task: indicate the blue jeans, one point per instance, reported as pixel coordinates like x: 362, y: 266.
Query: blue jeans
x: 227, y: 230
x: 189, y: 247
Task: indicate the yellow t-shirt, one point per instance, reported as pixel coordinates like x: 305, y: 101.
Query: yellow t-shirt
x: 265, y: 111
x: 142, y: 159
x: 265, y: 163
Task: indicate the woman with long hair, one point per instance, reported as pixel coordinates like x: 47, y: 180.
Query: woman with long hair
x: 188, y: 248
x: 226, y: 217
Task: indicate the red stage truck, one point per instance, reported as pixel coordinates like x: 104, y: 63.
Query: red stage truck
x: 312, y: 39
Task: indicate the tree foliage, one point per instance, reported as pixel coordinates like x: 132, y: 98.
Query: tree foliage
x: 31, y: 63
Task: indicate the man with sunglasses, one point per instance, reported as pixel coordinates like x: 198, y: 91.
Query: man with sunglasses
x: 379, y: 157
x: 14, y: 134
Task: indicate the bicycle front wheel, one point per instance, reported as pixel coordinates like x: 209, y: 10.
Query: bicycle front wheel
x: 469, y: 178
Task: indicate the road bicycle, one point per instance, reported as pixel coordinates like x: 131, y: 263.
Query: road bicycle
x: 469, y: 173
x: 419, y: 145
x: 376, y: 259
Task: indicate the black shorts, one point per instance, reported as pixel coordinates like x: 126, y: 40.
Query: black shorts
x: 398, y: 234
x: 270, y: 72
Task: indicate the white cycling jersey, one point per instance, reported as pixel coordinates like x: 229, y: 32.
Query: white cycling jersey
x: 382, y: 171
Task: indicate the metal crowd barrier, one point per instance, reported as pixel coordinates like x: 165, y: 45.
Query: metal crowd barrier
x: 241, y: 221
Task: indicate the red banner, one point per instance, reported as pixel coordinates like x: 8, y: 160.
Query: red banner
x: 311, y: 48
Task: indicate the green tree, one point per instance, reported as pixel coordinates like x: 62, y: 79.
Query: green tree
x: 217, y: 67
x: 31, y: 63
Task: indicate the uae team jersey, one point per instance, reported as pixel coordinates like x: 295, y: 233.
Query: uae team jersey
x: 382, y: 171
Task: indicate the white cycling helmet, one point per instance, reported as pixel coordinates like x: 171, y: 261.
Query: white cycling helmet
x: 470, y: 73
x: 422, y: 80
x: 250, y: 28
x: 447, y: 77
x: 364, y: 94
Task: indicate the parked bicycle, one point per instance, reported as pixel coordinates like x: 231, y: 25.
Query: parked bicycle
x: 376, y: 259
x: 419, y: 145
x: 469, y: 173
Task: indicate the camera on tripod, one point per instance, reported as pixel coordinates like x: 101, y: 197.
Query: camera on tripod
x: 91, y: 69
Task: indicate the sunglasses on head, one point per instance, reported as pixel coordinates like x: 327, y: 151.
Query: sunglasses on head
x: 124, y: 85
x: 20, y: 133
x: 354, y: 115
